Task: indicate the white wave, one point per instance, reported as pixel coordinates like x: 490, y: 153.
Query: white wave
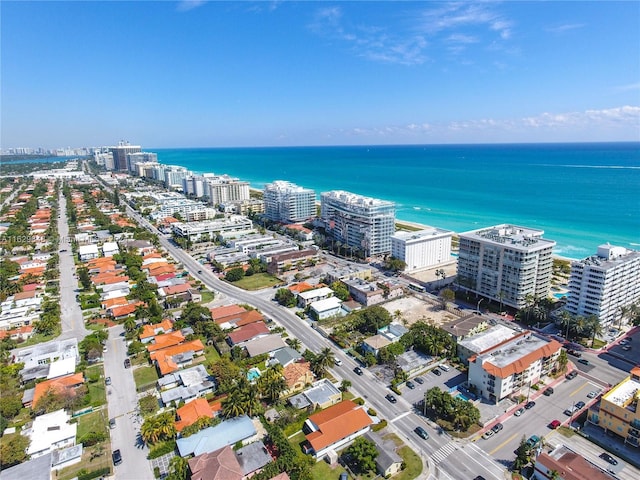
x: 612, y: 167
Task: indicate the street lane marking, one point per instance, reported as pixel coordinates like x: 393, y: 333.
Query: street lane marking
x: 503, y: 444
x: 399, y: 417
x: 578, y: 389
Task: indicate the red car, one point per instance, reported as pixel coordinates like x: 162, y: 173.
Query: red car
x: 554, y: 424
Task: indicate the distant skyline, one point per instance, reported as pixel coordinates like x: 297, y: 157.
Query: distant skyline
x: 226, y: 74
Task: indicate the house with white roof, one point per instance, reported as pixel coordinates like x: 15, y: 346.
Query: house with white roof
x: 109, y: 249
x: 88, y: 252
x: 327, y: 308
x: 307, y: 297
x: 49, y: 432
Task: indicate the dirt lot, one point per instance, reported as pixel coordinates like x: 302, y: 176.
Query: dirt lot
x: 414, y: 309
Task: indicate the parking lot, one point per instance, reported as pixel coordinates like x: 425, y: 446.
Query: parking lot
x: 538, y: 419
x: 444, y: 381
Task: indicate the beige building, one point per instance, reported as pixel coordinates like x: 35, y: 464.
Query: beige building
x: 618, y: 411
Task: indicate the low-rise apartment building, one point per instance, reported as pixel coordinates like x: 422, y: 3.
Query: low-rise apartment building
x: 195, y: 231
x: 619, y: 411
x: 509, y: 367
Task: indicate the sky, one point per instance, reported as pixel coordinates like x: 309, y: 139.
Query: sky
x: 279, y: 73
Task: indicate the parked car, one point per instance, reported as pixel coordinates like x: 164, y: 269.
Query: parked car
x: 626, y: 348
x: 411, y: 385
x: 107, y: 381
x: 533, y: 441
x: 445, y: 368
x: 358, y: 371
x: 548, y: 391
x: 571, y: 375
x: 583, y: 361
x: 391, y: 398
x: 436, y: 372
x: 592, y: 394
x: 497, y: 427
x: 571, y: 410
x: 579, y: 405
x: 624, y: 341
x: 530, y: 405
x: 605, y: 456
x: 127, y: 363
x: 418, y: 380
x: 422, y: 433
x: 574, y: 353
x: 488, y: 434
x: 117, y: 457
x: 519, y: 412
x: 112, y: 423
x: 554, y: 424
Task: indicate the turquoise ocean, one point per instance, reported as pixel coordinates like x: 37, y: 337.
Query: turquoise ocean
x: 582, y: 195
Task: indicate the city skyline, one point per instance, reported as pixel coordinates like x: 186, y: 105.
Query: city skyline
x: 231, y: 74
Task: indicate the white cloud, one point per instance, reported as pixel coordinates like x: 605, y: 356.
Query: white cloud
x: 186, y: 5
x: 565, y: 27
x: 628, y: 87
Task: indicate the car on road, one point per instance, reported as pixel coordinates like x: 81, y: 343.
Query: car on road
x: 554, y: 424
x: 488, y: 434
x: 624, y: 341
x: 337, y: 361
x: 422, y: 433
x: 112, y: 423
x: 530, y: 405
x: 199, y: 271
x: 571, y: 375
x: 391, y: 398
x: 411, y: 385
x: 479, y: 477
x: 497, y: 427
x: 571, y: 410
x: 358, y: 371
x: 418, y: 380
x: 533, y: 441
x: 127, y: 363
x: 593, y: 394
x: 117, y: 457
x: 63, y: 250
x: 626, y: 348
x: 548, y: 391
x: 583, y: 361
x: 436, y: 372
x: 107, y: 381
x: 574, y: 353
x: 579, y: 405
x: 519, y: 412
x: 605, y: 456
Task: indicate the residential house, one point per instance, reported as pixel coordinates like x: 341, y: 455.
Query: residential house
x: 285, y: 356
x: 466, y: 326
x: 171, y: 359
x: 247, y: 332
x: 65, y: 457
x: 307, y: 297
x: 567, y: 465
x: 235, y: 320
x: 221, y: 464
x: 88, y: 252
x: 375, y: 343
x: 335, y: 427
x: 67, y: 383
x: 149, y: 331
x: 191, y: 412
x: 253, y: 458
x: 165, y: 340
x: 388, y: 462
x: 210, y: 439
x: 109, y: 249
x: 49, y: 432
x: 38, y: 468
x: 297, y: 376
x: 321, y: 394
x: 123, y: 311
x: 327, y: 308
x: 266, y: 344
x: 185, y: 385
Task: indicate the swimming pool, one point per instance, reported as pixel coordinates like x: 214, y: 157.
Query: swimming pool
x: 253, y: 374
x: 560, y: 295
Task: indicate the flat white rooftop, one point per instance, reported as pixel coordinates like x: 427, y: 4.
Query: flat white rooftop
x: 426, y: 234
x: 512, y: 235
x: 489, y: 338
x: 514, y: 350
x: 623, y: 392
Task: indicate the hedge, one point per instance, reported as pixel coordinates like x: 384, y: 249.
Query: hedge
x: 101, y: 472
x: 379, y: 426
x: 162, y: 449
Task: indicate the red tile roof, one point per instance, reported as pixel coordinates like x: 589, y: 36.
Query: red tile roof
x: 124, y: 309
x: 336, y: 423
x: 57, y: 384
x: 248, y: 332
x: 226, y: 310
x: 176, y: 289
x: 165, y: 340
x: 219, y: 465
x: 152, y: 330
x: 191, y: 412
x: 244, y: 318
x: 164, y: 359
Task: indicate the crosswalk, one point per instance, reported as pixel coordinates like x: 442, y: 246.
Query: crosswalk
x: 443, y: 452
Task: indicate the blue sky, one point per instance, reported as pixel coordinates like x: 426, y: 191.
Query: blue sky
x: 196, y: 74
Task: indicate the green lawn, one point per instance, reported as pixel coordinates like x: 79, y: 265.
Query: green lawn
x: 144, y: 376
x: 97, y: 394
x: 597, y: 343
x: 94, y: 458
x: 207, y: 296
x: 92, y: 422
x: 413, y: 464
x: 211, y: 354
x: 257, y: 281
x: 323, y: 471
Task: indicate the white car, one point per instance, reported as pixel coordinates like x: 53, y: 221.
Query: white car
x: 488, y: 434
x: 624, y: 341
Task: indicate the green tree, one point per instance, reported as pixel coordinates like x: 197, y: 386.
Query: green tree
x: 178, y: 469
x: 362, y: 454
x: 285, y: 297
x: 522, y: 455
x: 322, y: 361
x: 272, y: 384
x: 159, y: 427
x: 84, y: 278
x: 234, y: 274
x: 446, y: 296
x: 394, y: 264
x: 345, y: 385
x: 340, y: 290
x: 13, y: 449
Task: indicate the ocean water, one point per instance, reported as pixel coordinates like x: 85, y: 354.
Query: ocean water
x: 581, y: 195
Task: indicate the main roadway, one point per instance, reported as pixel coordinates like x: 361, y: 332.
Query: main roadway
x: 443, y: 456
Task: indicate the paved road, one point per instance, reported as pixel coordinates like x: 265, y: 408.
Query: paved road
x: 122, y: 405
x: 468, y: 458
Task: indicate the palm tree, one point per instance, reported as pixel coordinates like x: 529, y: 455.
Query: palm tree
x: 129, y: 324
x: 295, y: 343
x: 566, y: 319
x: 345, y: 385
x: 501, y: 296
x: 272, y: 383
x: 232, y: 406
x: 325, y: 358
x: 595, y: 326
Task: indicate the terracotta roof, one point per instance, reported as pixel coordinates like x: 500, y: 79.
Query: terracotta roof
x: 124, y: 309
x: 225, y: 311
x: 24, y: 295
x: 293, y: 372
x: 152, y: 330
x: 152, y: 255
x: 571, y: 466
x: 244, y: 318
x: 16, y: 331
x: 165, y: 340
x: 191, y: 412
x: 30, y: 287
x: 115, y: 302
x: 301, y: 287
x: 164, y: 276
x: 247, y: 332
x: 176, y: 289
x: 219, y: 465
x: 336, y: 423
x: 160, y: 269
x: 57, y: 384
x: 164, y: 359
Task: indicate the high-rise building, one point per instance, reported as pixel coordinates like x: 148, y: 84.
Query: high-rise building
x: 120, y: 155
x: 619, y: 409
x: 506, y: 263
x: 140, y: 157
x: 173, y: 176
x: 223, y: 188
x: 422, y: 249
x: 288, y: 203
x: 604, y: 283
x: 362, y: 223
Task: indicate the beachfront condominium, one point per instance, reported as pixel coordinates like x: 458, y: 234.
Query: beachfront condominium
x: 422, y: 249
x: 286, y: 202
x: 619, y: 409
x: 173, y: 176
x: 513, y: 365
x: 120, y: 155
x: 223, y: 188
x: 506, y: 263
x: 604, y: 284
x: 133, y: 159
x: 359, y: 222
